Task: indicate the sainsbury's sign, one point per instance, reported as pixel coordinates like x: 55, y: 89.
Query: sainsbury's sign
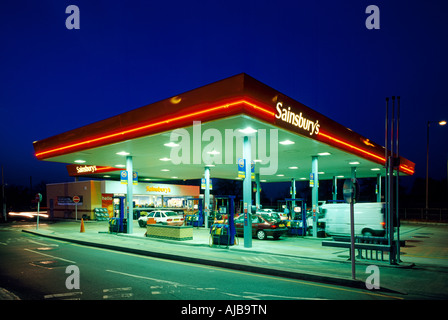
x: 297, y: 119
x: 84, y: 169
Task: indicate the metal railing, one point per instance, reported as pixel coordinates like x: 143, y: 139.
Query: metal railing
x: 430, y: 214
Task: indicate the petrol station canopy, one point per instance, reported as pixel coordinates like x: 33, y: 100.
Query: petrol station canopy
x: 175, y: 138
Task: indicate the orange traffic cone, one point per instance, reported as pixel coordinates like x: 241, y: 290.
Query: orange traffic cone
x: 82, y: 226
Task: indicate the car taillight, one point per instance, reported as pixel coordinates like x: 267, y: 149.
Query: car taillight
x: 169, y: 219
x: 274, y: 226
x: 383, y: 224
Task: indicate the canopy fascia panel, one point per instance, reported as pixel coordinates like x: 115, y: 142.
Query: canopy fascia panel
x: 237, y: 95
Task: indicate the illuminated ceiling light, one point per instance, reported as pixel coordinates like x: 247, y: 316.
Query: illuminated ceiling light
x: 173, y: 177
x: 293, y: 168
x: 147, y: 179
x: 123, y: 153
x: 302, y: 178
x: 213, y: 152
x: 120, y: 165
x: 175, y: 100
x: 280, y: 175
x: 263, y: 180
x: 165, y: 159
x: 442, y: 123
x: 80, y: 161
x: 106, y: 176
x: 354, y: 162
x: 286, y: 142
x: 210, y: 165
x: 321, y: 172
x: 324, y: 154
x: 171, y: 144
x: 339, y: 176
x: 375, y: 169
x: 247, y: 130
x: 165, y: 170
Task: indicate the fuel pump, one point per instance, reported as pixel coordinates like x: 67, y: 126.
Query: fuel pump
x: 297, y: 209
x: 196, y: 220
x: 223, y: 232
x: 117, y: 223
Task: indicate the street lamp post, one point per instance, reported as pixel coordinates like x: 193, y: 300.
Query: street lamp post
x: 440, y: 123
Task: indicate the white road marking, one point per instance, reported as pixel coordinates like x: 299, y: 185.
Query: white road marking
x: 62, y: 295
x: 48, y: 255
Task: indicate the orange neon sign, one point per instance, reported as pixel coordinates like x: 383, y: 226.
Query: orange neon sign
x: 152, y: 125
x: 336, y: 141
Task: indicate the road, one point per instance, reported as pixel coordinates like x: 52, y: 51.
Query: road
x: 34, y: 268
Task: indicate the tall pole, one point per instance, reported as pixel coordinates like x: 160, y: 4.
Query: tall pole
x: 247, y: 193
x: 3, y: 197
x: 427, y: 166
x: 352, y: 222
x: 130, y: 194
x: 207, y: 196
x: 315, y: 192
x: 397, y: 180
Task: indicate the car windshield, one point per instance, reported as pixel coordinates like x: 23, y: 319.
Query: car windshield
x: 269, y: 218
x: 170, y: 213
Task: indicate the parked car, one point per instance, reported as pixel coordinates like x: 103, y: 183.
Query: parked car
x: 273, y: 213
x: 262, y: 227
x: 170, y: 218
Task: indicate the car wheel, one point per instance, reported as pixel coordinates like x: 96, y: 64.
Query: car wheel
x: 367, y: 233
x: 141, y: 223
x: 261, y: 235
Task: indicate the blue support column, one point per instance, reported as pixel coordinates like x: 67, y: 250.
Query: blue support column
x: 315, y: 193
x: 257, y: 194
x: 207, y: 196
x: 247, y: 194
x: 335, y: 188
x: 378, y: 188
x: 130, y: 195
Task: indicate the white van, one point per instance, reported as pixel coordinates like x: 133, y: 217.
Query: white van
x: 369, y: 219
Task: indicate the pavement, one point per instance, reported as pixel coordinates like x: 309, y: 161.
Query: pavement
x: 420, y: 274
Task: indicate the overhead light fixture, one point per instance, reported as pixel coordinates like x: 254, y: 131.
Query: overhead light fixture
x: 174, y: 177
x: 171, y: 144
x: 106, y: 176
x: 324, y: 154
x: 302, y: 178
x: 165, y: 159
x: 263, y: 180
x: 293, y: 168
x: 147, y: 179
x: 120, y: 165
x: 165, y: 170
x: 280, y: 175
x: 80, y: 161
x: 123, y: 153
x: 339, y: 176
x: 210, y: 165
x: 442, y: 123
x: 354, y: 162
x: 321, y: 172
x: 375, y: 169
x: 247, y: 130
x: 286, y: 142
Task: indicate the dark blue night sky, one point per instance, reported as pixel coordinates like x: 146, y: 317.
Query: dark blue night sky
x: 127, y: 54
